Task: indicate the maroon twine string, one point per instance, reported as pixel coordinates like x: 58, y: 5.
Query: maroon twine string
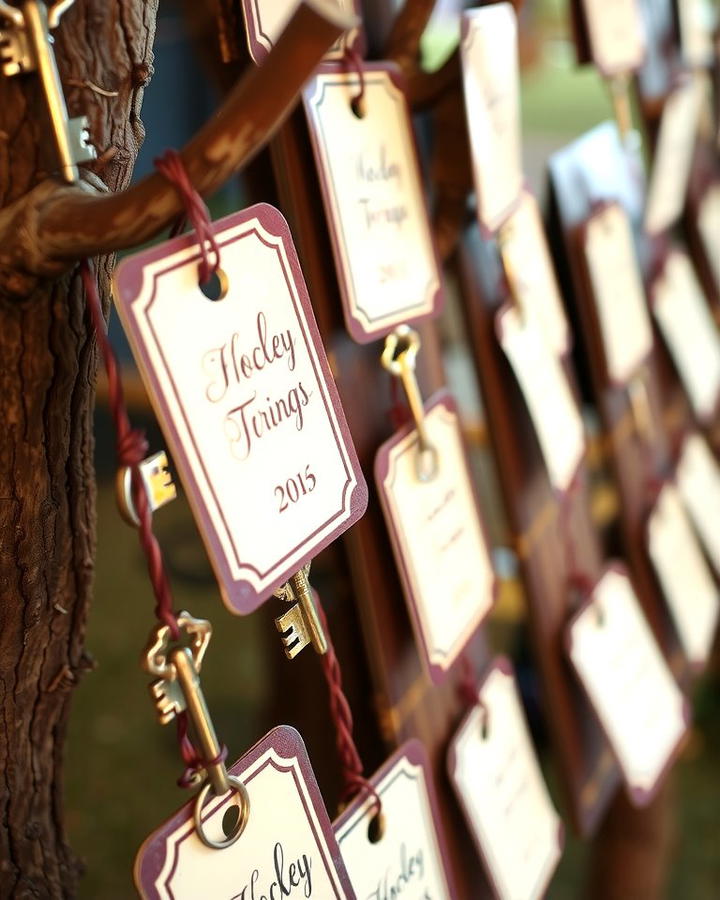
x: 131, y: 448
x: 468, y: 691
x: 577, y: 578
x: 341, y: 714
x: 170, y: 166
x: 354, y: 60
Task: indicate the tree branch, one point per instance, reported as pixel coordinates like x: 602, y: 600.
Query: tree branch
x: 54, y: 226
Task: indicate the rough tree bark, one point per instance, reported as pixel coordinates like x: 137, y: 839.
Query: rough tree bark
x: 47, y: 493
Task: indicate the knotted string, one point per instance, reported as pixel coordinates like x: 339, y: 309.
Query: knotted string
x: 131, y: 443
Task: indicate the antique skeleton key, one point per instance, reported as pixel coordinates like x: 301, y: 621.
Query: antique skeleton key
x: 300, y: 625
x: 178, y: 688
x: 158, y: 483
x: 26, y: 46
x: 398, y: 357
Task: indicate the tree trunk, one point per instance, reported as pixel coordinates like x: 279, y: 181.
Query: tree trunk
x: 47, y: 491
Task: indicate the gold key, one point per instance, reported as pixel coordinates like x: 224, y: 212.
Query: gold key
x: 300, y: 625
x: 178, y: 688
x: 26, y: 46
x: 398, y: 357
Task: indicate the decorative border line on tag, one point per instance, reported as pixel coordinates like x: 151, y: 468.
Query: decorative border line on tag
x: 436, y: 671
x: 414, y: 752
x: 242, y: 596
x: 638, y: 796
x: 503, y: 665
x: 282, y: 748
x: 579, y: 236
x: 434, y: 295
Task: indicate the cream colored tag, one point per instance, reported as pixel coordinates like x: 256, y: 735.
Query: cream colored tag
x: 628, y: 682
x: 438, y: 538
x: 618, y: 292
x: 698, y: 480
x: 690, y: 332
x: 709, y: 226
x: 374, y: 201
x: 407, y: 860
x: 246, y: 399
x: 265, y: 21
x: 685, y: 577
x: 287, y: 849
x: 673, y: 156
x: 549, y: 399
x: 616, y: 33
x: 696, y: 19
x: 526, y: 258
x: 501, y: 790
x: 492, y: 104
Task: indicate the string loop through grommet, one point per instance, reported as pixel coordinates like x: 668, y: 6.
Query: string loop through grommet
x: 170, y: 166
x: 399, y: 357
x: 357, y: 103
x: 235, y: 785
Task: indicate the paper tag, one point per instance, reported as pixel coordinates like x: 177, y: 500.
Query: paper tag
x: 673, y: 156
x: 618, y: 292
x: 690, y: 332
x: 373, y: 199
x: 550, y: 401
x: 245, y: 397
x: 287, y: 849
x: 409, y: 858
x: 437, y: 536
x: 526, y: 258
x: 698, y: 480
x: 616, y: 34
x: 492, y: 105
x: 497, y: 778
x: 696, y: 20
x: 709, y: 227
x: 686, y: 580
x: 265, y: 21
x: 629, y: 684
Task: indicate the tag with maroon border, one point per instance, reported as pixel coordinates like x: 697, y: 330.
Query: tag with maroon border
x: 529, y: 269
x: 687, y: 583
x: 410, y: 857
x: 612, y: 270
x: 496, y: 776
x: 491, y: 85
x: 548, y: 396
x: 373, y: 197
x: 695, y: 19
x: 708, y: 223
x: 244, y: 394
x: 698, y: 480
x: 672, y: 159
x: 438, y: 537
x: 635, y: 697
x: 690, y: 333
x: 266, y: 19
x: 288, y: 841
x: 613, y: 34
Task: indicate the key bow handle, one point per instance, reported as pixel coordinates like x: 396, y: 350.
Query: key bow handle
x: 401, y: 349
x: 155, y: 659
